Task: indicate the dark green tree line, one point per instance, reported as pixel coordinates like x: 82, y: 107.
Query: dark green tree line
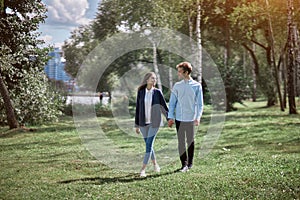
x: 247, y: 39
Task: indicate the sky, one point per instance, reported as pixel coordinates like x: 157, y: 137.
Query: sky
x: 63, y: 17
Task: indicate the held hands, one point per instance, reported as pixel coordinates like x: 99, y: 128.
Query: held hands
x: 170, y: 123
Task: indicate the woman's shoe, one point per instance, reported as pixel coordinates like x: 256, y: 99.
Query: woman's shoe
x: 143, y: 173
x: 156, y: 168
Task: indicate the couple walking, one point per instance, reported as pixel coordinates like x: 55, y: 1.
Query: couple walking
x: 185, y: 110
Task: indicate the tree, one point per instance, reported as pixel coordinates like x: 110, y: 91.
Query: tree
x: 267, y: 32
x: 220, y: 39
x: 80, y: 44
x: 199, y: 41
x: 9, y: 110
x: 223, y: 27
x: 22, y: 63
x: 8, y: 106
x: 254, y: 21
x: 272, y: 62
x: 291, y: 58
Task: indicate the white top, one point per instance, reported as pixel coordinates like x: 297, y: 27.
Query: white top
x: 148, y: 104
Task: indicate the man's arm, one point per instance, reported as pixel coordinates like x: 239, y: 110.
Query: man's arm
x: 172, y: 106
x: 199, y: 104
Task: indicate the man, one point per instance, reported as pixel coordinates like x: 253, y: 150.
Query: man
x: 186, y: 102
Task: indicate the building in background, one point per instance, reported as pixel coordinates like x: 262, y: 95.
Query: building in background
x: 55, y: 69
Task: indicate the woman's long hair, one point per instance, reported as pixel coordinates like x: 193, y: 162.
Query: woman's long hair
x: 143, y: 85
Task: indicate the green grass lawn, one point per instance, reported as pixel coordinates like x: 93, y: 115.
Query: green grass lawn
x: 257, y: 156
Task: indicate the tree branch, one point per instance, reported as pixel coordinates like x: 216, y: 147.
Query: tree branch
x: 255, y: 61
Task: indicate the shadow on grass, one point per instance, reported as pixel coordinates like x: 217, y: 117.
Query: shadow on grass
x: 9, y: 133
x: 258, y: 116
x: 13, y: 132
x: 123, y: 179
x: 54, y: 128
x: 277, y: 146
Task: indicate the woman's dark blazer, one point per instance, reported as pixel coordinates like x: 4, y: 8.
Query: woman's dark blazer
x: 158, y: 106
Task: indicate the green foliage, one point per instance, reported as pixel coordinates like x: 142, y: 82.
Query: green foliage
x: 112, y: 17
x: 266, y: 82
x: 242, y: 19
x: 34, y: 101
x: 103, y: 110
x: 83, y: 109
x: 22, y: 63
x: 236, y: 84
x: 224, y: 24
x: 159, y: 13
x: 108, y: 19
x: 108, y: 81
x: 76, y: 50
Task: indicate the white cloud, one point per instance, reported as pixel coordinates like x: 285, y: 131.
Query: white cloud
x: 58, y: 44
x: 46, y: 38
x: 64, y: 16
x: 49, y: 41
x: 67, y: 12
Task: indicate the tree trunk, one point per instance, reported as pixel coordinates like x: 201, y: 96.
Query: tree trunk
x: 9, y: 109
x: 297, y: 62
x: 227, y: 58
x: 170, y: 73
x: 272, y: 56
x: 190, y: 21
x: 199, y: 43
x: 284, y: 78
x: 281, y: 66
x: 291, y: 60
x: 255, y: 69
x: 10, y: 114
x: 155, y: 66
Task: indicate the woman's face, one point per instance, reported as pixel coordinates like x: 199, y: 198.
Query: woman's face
x: 152, y: 80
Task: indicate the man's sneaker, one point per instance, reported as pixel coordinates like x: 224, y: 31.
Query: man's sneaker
x: 156, y: 168
x: 184, y: 169
x: 190, y: 166
x: 143, y: 173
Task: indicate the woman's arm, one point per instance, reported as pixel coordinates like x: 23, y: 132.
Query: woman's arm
x: 137, y: 110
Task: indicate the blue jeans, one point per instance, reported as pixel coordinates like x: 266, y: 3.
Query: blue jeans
x: 149, y: 134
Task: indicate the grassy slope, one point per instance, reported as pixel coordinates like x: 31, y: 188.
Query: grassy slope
x: 256, y: 157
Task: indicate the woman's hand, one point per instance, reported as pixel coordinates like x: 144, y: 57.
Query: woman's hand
x: 170, y: 123
x: 137, y: 130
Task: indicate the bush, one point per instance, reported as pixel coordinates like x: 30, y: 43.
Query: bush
x: 81, y: 109
x: 35, y: 102
x: 103, y: 110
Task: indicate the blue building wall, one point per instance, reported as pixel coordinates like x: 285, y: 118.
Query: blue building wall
x: 55, y: 68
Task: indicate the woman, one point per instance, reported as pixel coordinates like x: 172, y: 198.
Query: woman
x: 149, y: 106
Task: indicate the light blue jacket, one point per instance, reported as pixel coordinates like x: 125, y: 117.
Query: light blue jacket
x: 186, y: 101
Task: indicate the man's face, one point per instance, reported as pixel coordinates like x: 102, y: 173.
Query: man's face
x: 180, y: 73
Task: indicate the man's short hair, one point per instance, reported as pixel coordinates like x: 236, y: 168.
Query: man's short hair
x: 186, y: 66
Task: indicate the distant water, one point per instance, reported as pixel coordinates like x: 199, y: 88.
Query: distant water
x: 88, y: 100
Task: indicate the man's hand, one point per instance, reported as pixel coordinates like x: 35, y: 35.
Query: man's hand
x: 170, y: 123
x: 196, y: 122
